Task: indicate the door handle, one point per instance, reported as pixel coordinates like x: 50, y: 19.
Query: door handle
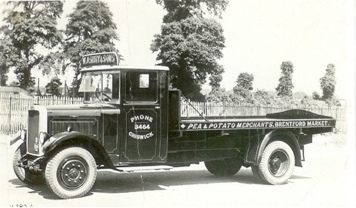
x: 157, y: 107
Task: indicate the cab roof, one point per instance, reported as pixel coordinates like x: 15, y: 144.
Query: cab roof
x: 116, y: 67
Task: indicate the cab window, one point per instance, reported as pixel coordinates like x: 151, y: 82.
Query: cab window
x: 100, y: 87
x: 141, y: 86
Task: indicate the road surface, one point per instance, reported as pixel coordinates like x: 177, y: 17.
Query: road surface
x: 326, y: 180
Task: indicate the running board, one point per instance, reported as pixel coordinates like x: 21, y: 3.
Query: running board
x: 143, y: 168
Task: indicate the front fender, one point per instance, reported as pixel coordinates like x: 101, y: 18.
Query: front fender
x: 16, y: 137
x: 75, y: 138
x: 63, y: 137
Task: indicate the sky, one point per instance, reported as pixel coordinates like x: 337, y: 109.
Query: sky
x: 260, y: 35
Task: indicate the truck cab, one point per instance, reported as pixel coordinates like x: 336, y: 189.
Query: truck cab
x: 134, y: 111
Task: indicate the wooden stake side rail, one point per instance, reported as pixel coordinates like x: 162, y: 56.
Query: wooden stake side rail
x: 254, y: 123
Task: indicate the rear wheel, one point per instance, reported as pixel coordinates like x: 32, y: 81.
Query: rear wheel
x: 24, y: 175
x: 277, y: 163
x: 224, y: 167
x: 71, y: 172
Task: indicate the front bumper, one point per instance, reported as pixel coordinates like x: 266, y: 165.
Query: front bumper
x: 31, y: 163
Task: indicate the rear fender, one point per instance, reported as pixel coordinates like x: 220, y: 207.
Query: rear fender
x: 75, y: 138
x: 285, y: 136
x: 256, y: 148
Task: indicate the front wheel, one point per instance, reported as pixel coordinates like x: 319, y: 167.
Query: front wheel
x: 224, y: 167
x: 71, y: 172
x: 277, y: 163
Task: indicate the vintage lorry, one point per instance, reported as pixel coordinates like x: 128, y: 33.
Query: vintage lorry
x: 130, y: 120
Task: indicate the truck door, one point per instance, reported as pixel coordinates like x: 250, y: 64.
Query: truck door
x: 145, y: 139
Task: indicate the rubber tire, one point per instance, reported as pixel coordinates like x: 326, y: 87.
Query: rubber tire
x: 26, y: 176
x: 224, y: 167
x: 264, y: 168
x: 53, y: 175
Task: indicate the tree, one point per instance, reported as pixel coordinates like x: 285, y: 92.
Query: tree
x: 4, y: 48
x: 328, y: 82
x: 262, y: 97
x: 315, y: 96
x: 29, y: 26
x: 243, y: 86
x: 53, y: 86
x: 90, y: 30
x: 218, y: 95
x: 190, y: 44
x: 179, y: 10
x: 215, y: 80
x: 3, y: 76
x: 285, y: 85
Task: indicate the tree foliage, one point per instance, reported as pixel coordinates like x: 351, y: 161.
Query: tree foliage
x: 190, y: 44
x: 53, y: 86
x: 90, y: 30
x: 215, y: 80
x: 285, y: 85
x: 328, y: 82
x: 316, y: 96
x: 262, y: 97
x: 219, y: 95
x: 243, y: 86
x: 3, y: 74
x: 182, y: 9
x: 3, y: 64
x: 245, y: 81
x: 29, y: 26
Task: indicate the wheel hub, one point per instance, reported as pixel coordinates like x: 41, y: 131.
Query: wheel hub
x: 278, y: 163
x: 73, y: 174
x: 275, y: 164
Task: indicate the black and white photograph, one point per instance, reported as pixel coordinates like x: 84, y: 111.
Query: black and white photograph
x: 177, y: 103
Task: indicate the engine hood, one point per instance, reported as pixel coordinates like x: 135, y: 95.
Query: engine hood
x: 80, y: 110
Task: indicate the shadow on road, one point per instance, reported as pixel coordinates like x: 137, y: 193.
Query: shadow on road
x: 114, y: 182
x: 40, y: 189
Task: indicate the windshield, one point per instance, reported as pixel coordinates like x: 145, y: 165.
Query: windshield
x: 103, y: 86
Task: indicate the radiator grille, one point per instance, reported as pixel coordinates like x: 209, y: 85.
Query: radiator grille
x: 33, y: 131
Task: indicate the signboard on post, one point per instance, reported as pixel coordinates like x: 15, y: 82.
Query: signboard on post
x: 108, y: 58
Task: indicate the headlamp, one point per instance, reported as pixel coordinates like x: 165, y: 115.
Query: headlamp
x: 43, y: 137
